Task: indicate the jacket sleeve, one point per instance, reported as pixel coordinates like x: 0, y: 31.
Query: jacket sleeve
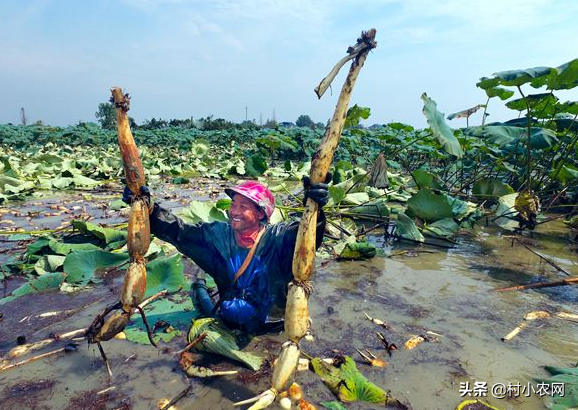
x: 197, y: 241
x: 170, y: 228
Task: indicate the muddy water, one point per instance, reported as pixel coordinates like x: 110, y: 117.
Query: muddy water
x: 446, y: 291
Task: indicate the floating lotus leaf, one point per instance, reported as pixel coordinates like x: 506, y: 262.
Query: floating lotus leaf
x: 82, y: 266
x: 406, y: 228
x: 349, y: 384
x: 46, y: 282
x: 506, y: 212
x: 107, y: 235
x: 358, y: 251
x: 444, y: 228
x: 202, y: 211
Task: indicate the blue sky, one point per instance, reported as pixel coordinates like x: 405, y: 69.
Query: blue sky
x: 183, y: 58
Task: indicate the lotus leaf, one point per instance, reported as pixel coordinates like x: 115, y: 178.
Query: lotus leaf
x: 406, y: 228
x: 107, y: 235
x: 48, y: 263
x: 166, y: 273
x: 425, y: 179
x: 46, y: 282
x: 348, y: 383
x: 201, y: 211
x: 333, y: 405
x: 566, y: 76
x: 516, y: 78
x: 561, y: 375
x: 429, y: 206
x: 566, y: 174
x: 440, y: 129
x: 506, y: 212
x: 491, y: 188
x: 358, y: 251
x: 177, y: 311
x: 82, y: 266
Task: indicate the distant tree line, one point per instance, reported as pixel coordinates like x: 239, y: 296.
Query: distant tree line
x: 106, y: 117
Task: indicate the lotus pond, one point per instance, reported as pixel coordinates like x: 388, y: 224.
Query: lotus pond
x: 413, y: 288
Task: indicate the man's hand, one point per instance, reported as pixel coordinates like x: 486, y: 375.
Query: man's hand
x: 128, y: 197
x: 317, y: 192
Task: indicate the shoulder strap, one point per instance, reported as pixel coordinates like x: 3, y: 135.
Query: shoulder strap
x: 249, y: 256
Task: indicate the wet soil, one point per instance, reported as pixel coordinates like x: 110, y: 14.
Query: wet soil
x: 414, y: 289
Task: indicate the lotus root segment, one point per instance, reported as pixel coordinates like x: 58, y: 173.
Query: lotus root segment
x: 134, y: 286
x: 133, y: 169
x: 304, y: 255
x: 113, y: 326
x: 139, y: 230
x: 286, y: 366
x: 297, y: 312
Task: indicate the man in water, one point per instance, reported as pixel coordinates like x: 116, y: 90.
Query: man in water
x: 249, y: 259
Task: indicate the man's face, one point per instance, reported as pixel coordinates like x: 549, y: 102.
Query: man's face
x: 244, y: 214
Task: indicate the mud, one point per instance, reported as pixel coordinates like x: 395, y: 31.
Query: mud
x: 417, y: 289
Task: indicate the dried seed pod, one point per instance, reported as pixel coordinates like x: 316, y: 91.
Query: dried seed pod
x: 296, y: 312
x: 139, y: 231
x: 286, y: 366
x: 134, y: 286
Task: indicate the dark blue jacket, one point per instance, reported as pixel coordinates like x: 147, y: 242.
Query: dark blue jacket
x: 212, y: 246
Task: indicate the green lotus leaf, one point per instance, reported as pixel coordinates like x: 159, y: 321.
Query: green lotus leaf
x: 62, y: 182
x: 81, y: 180
x: 166, y: 273
x: 355, y: 114
x: 181, y: 180
x: 491, y: 188
x: 333, y: 405
x: 425, y: 179
x: 358, y: 251
x: 566, y: 76
x: 82, y: 266
x: 107, y: 235
x: 503, y: 135
x: 375, y: 209
x: 429, y: 207
x: 514, y: 78
x: 506, y: 213
x: 48, y: 263
x: 541, y: 105
x: 177, y: 311
x: 502, y: 93
x: 566, y: 174
x: 62, y: 248
x: 440, y: 129
x: 356, y: 198
x: 256, y: 166
x: 348, y: 383
x: 444, y: 228
x: 46, y: 282
x: 202, y: 211
x: 406, y: 228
